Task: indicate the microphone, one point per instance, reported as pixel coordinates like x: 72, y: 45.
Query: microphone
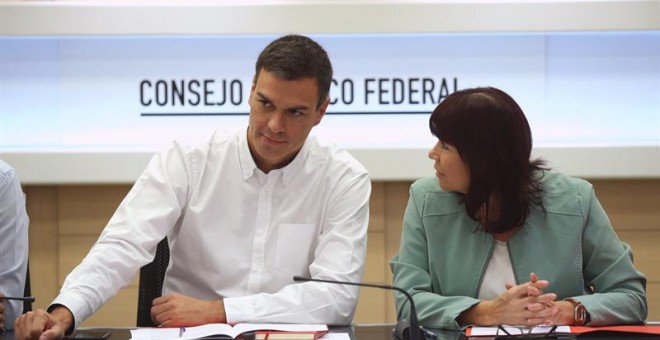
x: 404, y: 329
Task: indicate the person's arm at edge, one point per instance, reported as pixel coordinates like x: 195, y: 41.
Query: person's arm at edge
x: 14, y: 240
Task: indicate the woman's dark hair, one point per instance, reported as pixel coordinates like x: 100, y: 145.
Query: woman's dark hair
x: 494, y: 139
x: 295, y: 56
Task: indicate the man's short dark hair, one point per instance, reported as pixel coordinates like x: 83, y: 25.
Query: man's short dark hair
x: 294, y: 57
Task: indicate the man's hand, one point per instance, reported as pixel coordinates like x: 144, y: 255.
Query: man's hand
x: 42, y: 325
x: 176, y: 310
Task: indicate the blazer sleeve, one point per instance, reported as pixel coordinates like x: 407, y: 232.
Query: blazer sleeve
x: 410, y: 268
x: 619, y: 290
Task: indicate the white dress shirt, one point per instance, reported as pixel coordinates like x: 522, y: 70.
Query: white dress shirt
x: 237, y: 233
x: 13, y: 242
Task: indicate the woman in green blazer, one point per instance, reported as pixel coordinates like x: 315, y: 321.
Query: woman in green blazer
x: 497, y: 238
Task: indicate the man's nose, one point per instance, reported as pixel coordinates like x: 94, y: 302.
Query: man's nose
x: 276, y: 123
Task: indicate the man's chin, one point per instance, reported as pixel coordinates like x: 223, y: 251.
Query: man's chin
x: 271, y: 152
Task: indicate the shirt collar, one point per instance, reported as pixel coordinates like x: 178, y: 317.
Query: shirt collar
x: 290, y: 171
x: 248, y: 166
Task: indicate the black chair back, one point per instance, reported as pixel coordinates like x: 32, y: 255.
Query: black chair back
x: 27, y: 291
x: 151, y: 283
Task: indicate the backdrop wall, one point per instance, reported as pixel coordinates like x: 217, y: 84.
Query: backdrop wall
x: 91, y: 102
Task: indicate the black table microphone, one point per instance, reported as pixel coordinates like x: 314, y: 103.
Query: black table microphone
x: 404, y: 329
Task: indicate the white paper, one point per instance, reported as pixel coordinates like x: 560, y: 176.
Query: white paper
x: 515, y: 330
x: 336, y: 336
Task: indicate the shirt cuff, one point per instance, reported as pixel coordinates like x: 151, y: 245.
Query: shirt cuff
x: 75, y: 305
x: 239, y: 309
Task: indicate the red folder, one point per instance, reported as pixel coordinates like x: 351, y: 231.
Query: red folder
x: 643, y: 329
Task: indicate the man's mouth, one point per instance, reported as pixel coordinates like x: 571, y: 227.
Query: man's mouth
x: 272, y: 140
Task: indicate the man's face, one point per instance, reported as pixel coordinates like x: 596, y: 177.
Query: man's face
x: 282, y: 113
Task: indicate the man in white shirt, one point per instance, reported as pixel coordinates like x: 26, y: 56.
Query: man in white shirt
x: 243, y: 214
x: 13, y: 245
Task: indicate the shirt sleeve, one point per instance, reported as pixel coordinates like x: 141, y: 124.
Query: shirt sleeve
x: 129, y: 241
x: 339, y: 256
x: 619, y: 290
x: 411, y: 272
x: 13, y: 244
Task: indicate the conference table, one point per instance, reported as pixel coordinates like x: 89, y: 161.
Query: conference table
x: 380, y: 332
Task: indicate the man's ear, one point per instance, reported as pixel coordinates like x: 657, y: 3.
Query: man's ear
x: 322, y: 109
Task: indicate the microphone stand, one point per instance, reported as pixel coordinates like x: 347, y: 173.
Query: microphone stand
x: 415, y: 331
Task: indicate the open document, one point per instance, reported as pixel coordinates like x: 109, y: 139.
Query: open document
x: 218, y: 329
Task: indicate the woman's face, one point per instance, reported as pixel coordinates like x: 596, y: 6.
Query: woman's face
x: 450, y: 169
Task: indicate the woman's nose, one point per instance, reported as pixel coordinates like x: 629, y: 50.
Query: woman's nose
x: 433, y: 154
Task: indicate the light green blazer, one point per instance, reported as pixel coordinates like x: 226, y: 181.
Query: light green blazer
x: 444, y: 253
